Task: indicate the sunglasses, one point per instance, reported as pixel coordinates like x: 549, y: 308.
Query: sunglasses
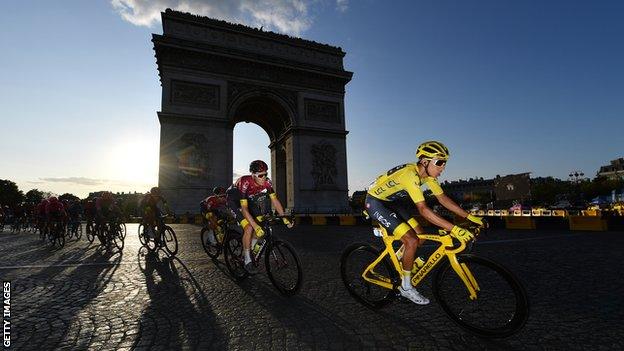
x: 260, y: 175
x: 439, y: 163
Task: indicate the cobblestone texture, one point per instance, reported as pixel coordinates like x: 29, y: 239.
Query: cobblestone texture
x: 80, y: 297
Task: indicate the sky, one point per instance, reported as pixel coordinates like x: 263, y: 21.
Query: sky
x: 508, y: 86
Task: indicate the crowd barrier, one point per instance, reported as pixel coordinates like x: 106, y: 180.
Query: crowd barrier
x: 536, y: 219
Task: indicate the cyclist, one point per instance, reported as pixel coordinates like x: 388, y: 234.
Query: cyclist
x: 152, y: 214
x: 214, y: 208
x: 106, y: 210
x: 89, y: 212
x: 383, y: 204
x: 74, y: 210
x: 249, y: 198
x: 55, y: 211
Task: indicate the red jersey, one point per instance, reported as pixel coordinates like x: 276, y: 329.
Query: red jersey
x: 213, y: 202
x: 249, y: 188
x: 54, y: 208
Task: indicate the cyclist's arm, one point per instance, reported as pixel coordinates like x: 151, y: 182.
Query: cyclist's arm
x: 247, y: 214
x: 432, y: 217
x: 277, y: 204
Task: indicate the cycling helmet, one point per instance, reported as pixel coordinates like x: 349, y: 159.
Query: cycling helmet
x: 155, y: 190
x: 258, y: 166
x: 218, y: 190
x: 432, y: 149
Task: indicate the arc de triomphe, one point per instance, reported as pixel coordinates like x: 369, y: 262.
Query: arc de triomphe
x: 215, y: 74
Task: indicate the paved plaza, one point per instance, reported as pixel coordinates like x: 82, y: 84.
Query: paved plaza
x: 80, y: 297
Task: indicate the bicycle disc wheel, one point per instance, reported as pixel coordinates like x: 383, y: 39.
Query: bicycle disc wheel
x: 171, y: 241
x: 353, y: 262
x: 233, y: 254
x: 283, y: 267
x: 501, y: 307
x: 212, y: 249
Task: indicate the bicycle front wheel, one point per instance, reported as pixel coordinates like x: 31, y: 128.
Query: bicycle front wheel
x: 283, y: 267
x: 233, y: 255
x: 501, y: 307
x: 355, y: 259
x: 118, y: 238
x: 209, y: 242
x: 171, y: 241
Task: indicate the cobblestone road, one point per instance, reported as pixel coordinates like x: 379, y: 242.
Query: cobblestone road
x: 79, y: 297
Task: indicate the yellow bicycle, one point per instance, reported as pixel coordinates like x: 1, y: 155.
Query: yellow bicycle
x: 478, y: 294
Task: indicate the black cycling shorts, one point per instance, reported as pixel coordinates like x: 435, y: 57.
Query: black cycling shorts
x: 395, y: 217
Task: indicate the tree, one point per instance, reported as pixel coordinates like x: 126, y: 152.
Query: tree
x: 69, y: 197
x: 10, y: 193
x: 34, y: 196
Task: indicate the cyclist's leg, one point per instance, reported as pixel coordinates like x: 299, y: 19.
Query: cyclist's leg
x: 387, y: 216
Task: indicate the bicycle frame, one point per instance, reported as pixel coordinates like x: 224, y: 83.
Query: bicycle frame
x: 446, y: 249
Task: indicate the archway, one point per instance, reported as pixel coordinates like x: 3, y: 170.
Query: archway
x: 216, y: 74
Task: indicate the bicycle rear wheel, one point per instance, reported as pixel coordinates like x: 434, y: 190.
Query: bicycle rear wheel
x: 501, y: 307
x: 209, y: 242
x: 283, y: 267
x: 171, y: 241
x: 233, y: 254
x: 355, y: 259
x: 142, y: 235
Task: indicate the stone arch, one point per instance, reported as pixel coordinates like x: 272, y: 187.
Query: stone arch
x: 215, y: 74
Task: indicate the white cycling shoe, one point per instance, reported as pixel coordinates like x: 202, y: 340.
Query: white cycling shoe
x: 414, y: 296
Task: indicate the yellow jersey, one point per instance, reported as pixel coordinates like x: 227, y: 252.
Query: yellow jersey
x: 403, y: 181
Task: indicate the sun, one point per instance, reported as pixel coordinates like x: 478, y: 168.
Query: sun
x: 134, y: 162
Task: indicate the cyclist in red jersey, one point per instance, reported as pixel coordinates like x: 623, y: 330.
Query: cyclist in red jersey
x: 213, y: 208
x: 55, y: 211
x: 251, y: 196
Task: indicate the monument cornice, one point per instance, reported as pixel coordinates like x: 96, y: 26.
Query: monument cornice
x: 191, y: 45
x: 170, y: 56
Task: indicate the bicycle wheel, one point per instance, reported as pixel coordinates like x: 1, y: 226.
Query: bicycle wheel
x: 90, y: 233
x: 142, y: 237
x: 233, y: 254
x: 124, y: 230
x: 79, y: 231
x: 60, y: 237
x: 283, y: 267
x: 213, y: 249
x: 171, y: 241
x: 117, y: 236
x: 501, y: 307
x: 353, y: 262
x: 152, y: 240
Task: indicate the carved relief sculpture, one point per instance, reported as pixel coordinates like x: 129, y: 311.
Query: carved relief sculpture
x: 323, y: 164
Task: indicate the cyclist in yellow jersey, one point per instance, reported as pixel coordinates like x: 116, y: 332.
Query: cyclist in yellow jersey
x: 383, y: 204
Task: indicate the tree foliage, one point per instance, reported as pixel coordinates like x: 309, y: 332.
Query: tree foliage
x: 34, y: 196
x: 10, y: 193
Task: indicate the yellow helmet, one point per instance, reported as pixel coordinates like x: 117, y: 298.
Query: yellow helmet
x: 432, y: 149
